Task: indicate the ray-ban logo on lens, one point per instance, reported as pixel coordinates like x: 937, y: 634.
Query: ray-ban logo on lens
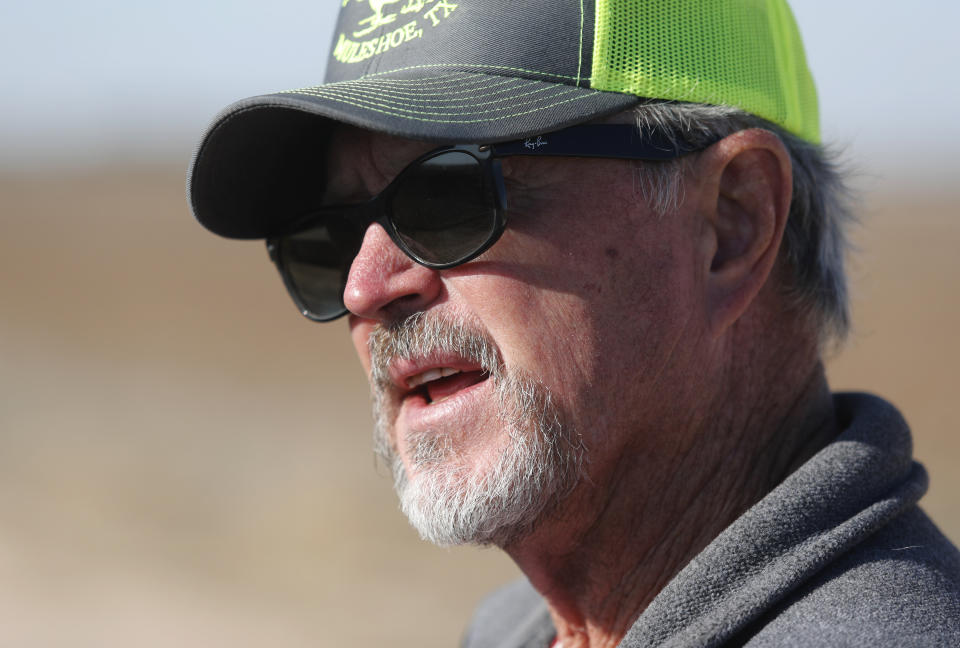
x: 390, y: 14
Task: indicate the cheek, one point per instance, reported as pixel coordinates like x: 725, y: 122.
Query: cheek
x: 547, y: 298
x: 610, y: 322
x: 545, y: 333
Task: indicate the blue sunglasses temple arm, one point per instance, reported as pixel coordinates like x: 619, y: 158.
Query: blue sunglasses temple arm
x: 618, y: 141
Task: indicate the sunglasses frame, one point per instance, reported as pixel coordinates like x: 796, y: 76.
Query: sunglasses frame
x: 612, y: 141
x: 377, y: 210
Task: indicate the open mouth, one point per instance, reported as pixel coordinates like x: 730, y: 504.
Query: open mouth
x: 440, y: 383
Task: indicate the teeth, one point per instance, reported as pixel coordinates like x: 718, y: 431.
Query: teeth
x: 429, y: 375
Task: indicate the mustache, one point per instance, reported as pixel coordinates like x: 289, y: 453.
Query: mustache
x: 421, y: 334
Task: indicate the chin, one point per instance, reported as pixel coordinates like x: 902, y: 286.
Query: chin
x: 451, y: 498
x: 484, y: 464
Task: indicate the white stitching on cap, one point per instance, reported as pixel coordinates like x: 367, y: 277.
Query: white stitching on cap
x: 412, y: 99
x: 336, y: 95
x: 471, y: 121
x: 469, y: 65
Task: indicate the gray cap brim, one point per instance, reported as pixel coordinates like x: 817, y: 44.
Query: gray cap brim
x: 260, y: 164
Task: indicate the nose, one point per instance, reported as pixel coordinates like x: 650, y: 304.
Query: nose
x: 384, y: 284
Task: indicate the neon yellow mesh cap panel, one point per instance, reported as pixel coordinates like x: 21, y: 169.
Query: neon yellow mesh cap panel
x: 743, y: 53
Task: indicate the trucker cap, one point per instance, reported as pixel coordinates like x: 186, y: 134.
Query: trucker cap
x: 485, y: 71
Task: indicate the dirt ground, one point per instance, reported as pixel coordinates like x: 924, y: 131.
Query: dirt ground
x: 184, y: 460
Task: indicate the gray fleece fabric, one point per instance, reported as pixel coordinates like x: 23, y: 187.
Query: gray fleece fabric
x: 838, y: 554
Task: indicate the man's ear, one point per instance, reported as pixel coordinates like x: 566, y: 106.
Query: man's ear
x: 746, y: 186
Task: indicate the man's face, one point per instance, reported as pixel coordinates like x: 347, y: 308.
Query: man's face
x: 490, y: 379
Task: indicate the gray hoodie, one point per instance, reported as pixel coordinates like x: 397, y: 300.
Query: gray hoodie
x: 837, y: 555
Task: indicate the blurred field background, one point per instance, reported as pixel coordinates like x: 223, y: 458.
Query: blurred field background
x: 186, y: 461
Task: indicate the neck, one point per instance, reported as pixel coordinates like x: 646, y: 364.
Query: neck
x: 619, y: 540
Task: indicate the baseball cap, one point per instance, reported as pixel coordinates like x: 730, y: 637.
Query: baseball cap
x: 486, y: 71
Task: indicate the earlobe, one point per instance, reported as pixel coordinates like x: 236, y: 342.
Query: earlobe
x: 746, y: 206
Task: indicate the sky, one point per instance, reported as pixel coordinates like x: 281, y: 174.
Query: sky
x: 101, y: 80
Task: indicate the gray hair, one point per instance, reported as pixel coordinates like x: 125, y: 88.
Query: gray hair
x: 815, y: 239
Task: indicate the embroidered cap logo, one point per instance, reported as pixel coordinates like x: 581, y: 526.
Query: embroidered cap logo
x: 424, y: 13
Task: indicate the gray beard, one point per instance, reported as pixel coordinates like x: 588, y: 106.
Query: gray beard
x: 444, y: 500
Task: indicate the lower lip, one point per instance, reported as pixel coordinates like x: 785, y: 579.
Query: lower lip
x: 418, y: 414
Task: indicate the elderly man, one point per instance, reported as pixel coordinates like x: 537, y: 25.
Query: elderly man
x: 590, y: 253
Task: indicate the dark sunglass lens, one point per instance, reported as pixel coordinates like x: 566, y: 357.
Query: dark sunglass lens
x: 444, y: 209
x: 315, y: 264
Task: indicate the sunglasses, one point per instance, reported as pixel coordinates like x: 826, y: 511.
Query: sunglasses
x: 444, y: 209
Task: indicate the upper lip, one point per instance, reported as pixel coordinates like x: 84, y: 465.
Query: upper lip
x: 406, y: 374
